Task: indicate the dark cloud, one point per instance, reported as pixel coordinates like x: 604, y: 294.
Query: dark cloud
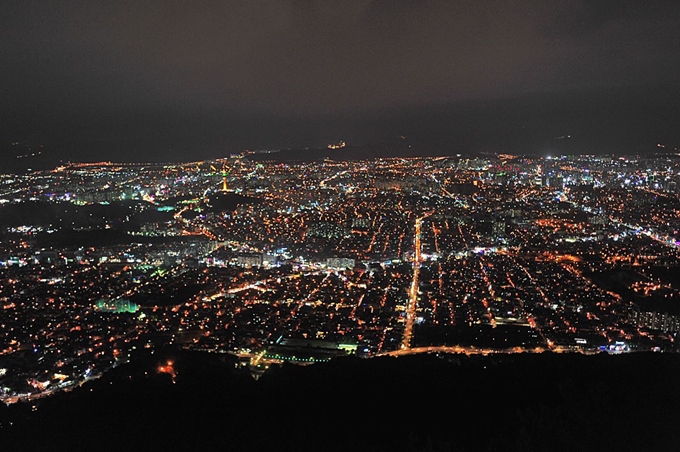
x: 230, y: 70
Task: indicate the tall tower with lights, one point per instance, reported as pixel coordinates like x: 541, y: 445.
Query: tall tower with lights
x: 225, y: 173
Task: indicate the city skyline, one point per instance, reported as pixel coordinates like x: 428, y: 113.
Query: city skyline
x: 258, y: 258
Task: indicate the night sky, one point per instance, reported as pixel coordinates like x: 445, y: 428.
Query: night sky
x: 160, y: 80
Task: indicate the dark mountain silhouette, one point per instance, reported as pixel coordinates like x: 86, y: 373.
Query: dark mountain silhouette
x: 525, y: 402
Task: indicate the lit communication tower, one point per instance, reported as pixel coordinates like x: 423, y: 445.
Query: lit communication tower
x: 225, y: 173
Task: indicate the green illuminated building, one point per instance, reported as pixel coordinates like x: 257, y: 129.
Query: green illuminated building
x: 122, y: 305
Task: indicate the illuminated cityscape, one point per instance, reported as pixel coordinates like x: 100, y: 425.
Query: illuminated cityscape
x: 301, y: 262
x: 339, y: 226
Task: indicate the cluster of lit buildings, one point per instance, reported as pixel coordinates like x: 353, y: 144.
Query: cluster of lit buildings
x: 304, y: 261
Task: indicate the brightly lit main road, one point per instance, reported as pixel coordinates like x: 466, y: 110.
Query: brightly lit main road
x: 413, y: 291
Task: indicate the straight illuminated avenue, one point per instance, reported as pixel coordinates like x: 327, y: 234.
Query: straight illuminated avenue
x: 415, y: 284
